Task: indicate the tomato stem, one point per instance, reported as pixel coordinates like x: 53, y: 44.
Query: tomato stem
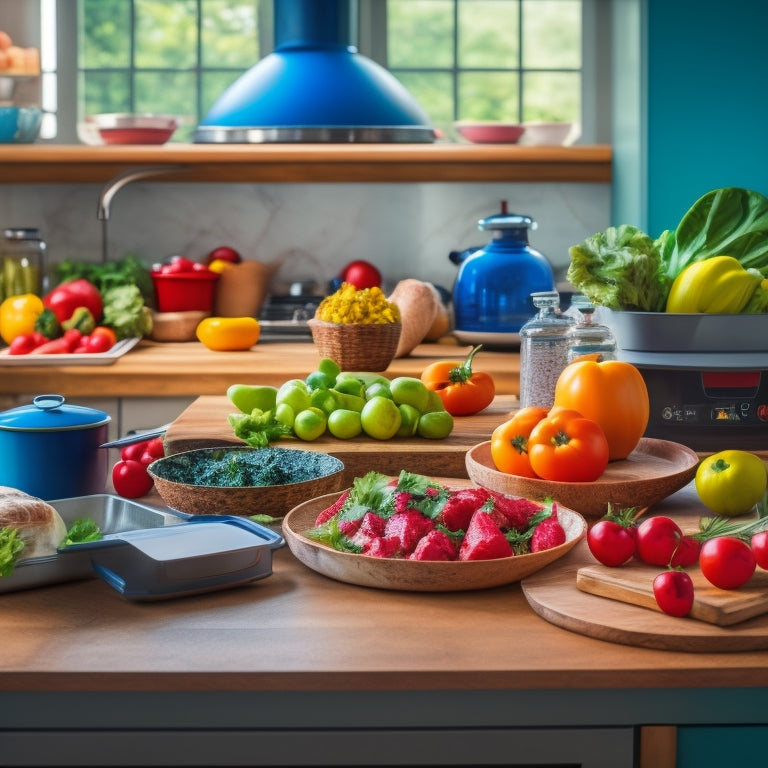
x: 461, y: 374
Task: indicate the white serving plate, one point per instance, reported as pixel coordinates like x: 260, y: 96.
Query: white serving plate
x: 92, y: 358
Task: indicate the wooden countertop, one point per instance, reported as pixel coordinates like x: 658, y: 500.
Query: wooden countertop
x: 295, y: 163
x: 154, y: 369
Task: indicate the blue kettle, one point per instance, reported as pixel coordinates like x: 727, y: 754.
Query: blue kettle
x: 492, y: 291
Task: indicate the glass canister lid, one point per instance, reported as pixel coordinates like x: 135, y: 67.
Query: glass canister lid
x: 51, y: 413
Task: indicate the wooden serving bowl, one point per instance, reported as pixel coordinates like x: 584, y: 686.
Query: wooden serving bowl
x: 653, y: 471
x: 180, y: 479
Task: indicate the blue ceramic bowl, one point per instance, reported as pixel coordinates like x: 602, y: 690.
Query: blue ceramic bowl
x: 19, y: 125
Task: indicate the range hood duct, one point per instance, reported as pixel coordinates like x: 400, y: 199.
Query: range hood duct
x: 315, y: 87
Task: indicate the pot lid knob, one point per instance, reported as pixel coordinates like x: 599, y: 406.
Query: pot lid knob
x: 506, y: 220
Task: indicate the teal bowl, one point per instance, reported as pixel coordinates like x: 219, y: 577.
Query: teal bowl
x: 19, y: 125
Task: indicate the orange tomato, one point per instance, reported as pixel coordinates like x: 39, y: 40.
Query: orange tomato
x: 463, y: 391
x: 612, y: 393
x: 566, y: 447
x: 509, y: 441
x: 228, y: 334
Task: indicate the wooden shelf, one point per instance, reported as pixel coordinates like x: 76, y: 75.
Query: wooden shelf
x: 301, y: 163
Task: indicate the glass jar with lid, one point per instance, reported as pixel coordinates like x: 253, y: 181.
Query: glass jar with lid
x: 22, y: 258
x: 588, y: 337
x: 543, y: 350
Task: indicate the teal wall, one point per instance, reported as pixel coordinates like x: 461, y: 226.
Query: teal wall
x: 701, y: 92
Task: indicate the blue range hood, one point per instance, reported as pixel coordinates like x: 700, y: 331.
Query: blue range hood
x: 315, y: 87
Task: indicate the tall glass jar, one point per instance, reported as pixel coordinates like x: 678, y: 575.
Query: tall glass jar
x: 22, y: 258
x: 543, y: 350
x: 588, y: 337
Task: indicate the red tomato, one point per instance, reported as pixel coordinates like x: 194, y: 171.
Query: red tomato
x: 673, y: 591
x: 156, y: 447
x: 225, y: 253
x: 566, y: 447
x: 176, y: 265
x: 686, y: 553
x: 611, y: 543
x: 727, y: 562
x: 361, y: 274
x: 657, y: 540
x: 131, y: 479
x: 132, y: 451
x: 97, y: 343
x: 66, y: 297
x: 759, y: 546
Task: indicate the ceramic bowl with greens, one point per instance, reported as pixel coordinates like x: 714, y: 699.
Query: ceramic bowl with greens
x: 244, y: 481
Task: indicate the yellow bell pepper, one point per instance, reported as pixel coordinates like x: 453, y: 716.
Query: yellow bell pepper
x: 716, y: 284
x: 18, y: 315
x: 228, y: 334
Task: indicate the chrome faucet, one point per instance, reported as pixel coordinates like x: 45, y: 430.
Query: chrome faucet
x: 113, y: 186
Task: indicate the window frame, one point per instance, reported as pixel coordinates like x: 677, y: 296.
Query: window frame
x: 371, y: 42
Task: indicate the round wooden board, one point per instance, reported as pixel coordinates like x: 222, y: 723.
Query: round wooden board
x: 553, y: 595
x: 413, y: 575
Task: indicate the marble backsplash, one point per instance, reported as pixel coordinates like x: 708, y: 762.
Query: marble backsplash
x: 313, y: 230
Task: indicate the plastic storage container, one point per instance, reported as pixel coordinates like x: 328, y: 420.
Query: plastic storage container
x: 588, y: 337
x: 543, y: 350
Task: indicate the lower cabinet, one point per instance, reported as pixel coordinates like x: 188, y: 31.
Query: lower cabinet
x: 543, y: 748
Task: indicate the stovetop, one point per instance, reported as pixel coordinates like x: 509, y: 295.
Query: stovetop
x: 284, y: 318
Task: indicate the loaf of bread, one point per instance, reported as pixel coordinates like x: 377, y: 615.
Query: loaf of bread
x: 40, y: 525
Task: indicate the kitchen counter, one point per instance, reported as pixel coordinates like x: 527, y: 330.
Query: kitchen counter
x: 301, y: 669
x: 154, y: 369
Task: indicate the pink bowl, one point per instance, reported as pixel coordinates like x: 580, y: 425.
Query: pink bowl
x: 490, y: 133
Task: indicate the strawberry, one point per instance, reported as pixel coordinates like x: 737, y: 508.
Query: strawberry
x: 384, y: 546
x: 517, y: 511
x: 436, y: 545
x: 548, y: 533
x: 409, y: 527
x: 371, y: 527
x: 329, y: 512
x: 461, y: 505
x: 484, y: 539
x: 402, y: 499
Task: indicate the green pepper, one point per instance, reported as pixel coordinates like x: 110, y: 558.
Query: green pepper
x: 718, y: 284
x: 48, y: 324
x: 81, y: 319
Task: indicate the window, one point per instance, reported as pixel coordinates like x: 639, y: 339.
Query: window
x: 510, y: 60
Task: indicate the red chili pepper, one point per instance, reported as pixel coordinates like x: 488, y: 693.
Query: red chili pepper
x: 63, y: 345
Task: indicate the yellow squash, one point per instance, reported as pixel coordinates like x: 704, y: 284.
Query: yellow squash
x: 228, y: 334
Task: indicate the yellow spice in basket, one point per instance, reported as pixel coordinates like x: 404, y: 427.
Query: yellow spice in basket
x: 350, y: 305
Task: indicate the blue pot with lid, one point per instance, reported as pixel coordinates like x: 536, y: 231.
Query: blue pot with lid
x: 50, y: 449
x: 493, y: 287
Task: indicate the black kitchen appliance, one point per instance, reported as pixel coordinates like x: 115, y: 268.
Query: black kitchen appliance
x: 315, y: 87
x: 707, y: 376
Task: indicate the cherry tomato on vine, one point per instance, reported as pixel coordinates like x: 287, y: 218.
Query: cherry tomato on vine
x: 727, y: 562
x: 611, y: 539
x: 509, y: 441
x: 657, y: 540
x: 131, y: 479
x: 566, y: 447
x: 673, y: 591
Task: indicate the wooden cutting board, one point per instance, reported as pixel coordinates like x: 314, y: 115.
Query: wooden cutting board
x: 716, y: 606
x: 555, y: 594
x: 204, y: 424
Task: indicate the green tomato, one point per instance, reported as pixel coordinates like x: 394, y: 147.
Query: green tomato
x: 295, y: 393
x: 410, y: 390
x: 435, y: 425
x: 285, y: 414
x: 731, y: 482
x: 325, y: 400
x: 348, y: 401
x: 246, y: 397
x: 345, y: 424
x: 319, y: 380
x: 435, y: 403
x: 410, y: 420
x: 329, y: 367
x: 378, y: 389
x: 349, y: 386
x: 310, y: 424
x: 380, y: 418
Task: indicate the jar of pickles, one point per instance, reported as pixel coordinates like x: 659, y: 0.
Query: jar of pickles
x: 22, y: 259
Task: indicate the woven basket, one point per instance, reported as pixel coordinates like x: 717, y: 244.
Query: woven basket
x: 356, y: 346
